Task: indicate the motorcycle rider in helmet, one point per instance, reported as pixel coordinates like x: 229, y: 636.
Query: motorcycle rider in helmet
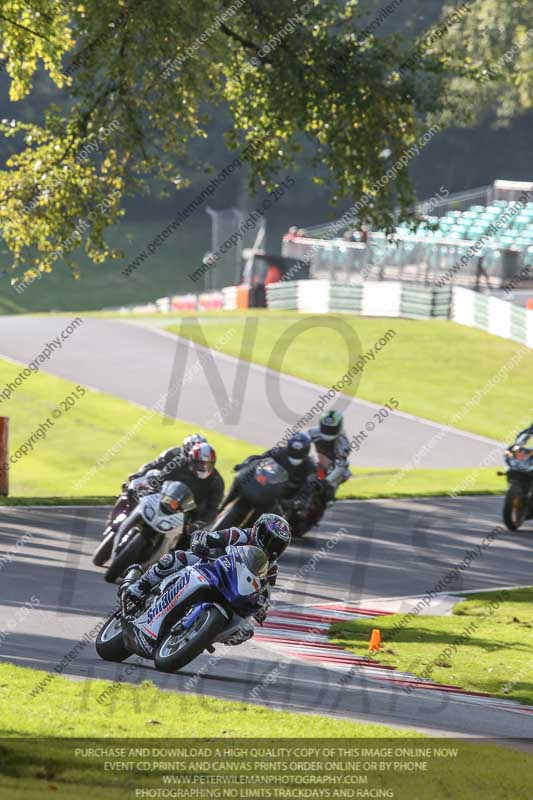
x: 332, y: 448
x: 189, y: 441
x: 301, y: 472
x: 271, y: 534
x: 194, y: 465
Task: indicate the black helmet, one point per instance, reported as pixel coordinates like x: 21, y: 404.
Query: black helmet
x: 298, y: 448
x: 272, y: 534
x: 331, y: 424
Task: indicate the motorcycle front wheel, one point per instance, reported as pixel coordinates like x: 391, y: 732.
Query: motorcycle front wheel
x: 109, y: 642
x: 180, y: 647
x: 128, y: 555
x: 104, y: 549
x: 515, y: 507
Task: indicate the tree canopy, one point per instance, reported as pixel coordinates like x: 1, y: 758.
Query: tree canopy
x: 139, y: 79
x: 493, y: 43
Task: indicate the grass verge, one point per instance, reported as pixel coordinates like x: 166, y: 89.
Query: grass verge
x: 486, y: 645
x: 149, y: 719
x: 451, y: 362
x: 93, y: 446
x: 70, y: 709
x: 369, y: 484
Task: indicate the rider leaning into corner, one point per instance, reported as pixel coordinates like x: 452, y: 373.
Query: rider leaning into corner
x: 333, y: 450
x: 192, y: 464
x: 300, y: 469
x: 270, y: 533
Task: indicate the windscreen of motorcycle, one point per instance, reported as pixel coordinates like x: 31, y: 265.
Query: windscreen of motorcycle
x: 177, y: 496
x: 233, y: 578
x: 255, y: 560
x: 262, y: 483
x: 269, y: 471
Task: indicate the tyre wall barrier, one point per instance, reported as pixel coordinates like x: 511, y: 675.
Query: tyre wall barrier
x: 395, y: 299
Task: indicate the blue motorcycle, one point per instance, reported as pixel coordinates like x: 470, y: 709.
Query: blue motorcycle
x: 188, y: 611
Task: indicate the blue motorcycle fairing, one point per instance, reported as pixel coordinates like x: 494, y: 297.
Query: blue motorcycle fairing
x: 190, y: 618
x: 221, y: 574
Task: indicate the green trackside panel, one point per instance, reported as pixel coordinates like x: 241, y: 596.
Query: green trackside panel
x: 415, y: 295
x: 283, y: 296
x: 346, y: 298
x: 442, y: 302
x: 481, y: 311
x: 519, y: 324
x: 425, y: 302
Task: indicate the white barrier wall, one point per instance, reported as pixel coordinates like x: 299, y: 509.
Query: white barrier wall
x: 529, y: 328
x: 387, y: 298
x: 229, y: 294
x: 372, y: 299
x: 313, y: 297
x: 463, y: 306
x: 382, y: 299
x: 499, y: 317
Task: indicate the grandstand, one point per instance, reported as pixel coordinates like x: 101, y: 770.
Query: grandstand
x: 488, y: 232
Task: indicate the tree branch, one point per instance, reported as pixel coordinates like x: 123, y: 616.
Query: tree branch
x: 23, y: 27
x: 238, y: 38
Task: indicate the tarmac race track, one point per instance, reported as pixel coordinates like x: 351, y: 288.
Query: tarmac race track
x: 140, y: 363
x: 373, y: 552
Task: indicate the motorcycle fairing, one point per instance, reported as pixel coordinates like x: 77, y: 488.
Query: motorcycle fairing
x: 233, y: 580
x: 228, y: 575
x: 149, y: 508
x: 173, y: 590
x: 189, y: 618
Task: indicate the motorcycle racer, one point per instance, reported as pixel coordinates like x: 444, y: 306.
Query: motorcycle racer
x: 295, y: 460
x: 271, y: 534
x: 333, y: 449
x: 192, y: 464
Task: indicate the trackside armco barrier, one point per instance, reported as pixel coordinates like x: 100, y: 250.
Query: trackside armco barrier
x: 368, y: 298
x: 396, y: 299
x: 4, y: 455
x: 371, y: 299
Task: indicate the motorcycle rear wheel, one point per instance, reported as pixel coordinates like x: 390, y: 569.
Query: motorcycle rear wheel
x: 180, y: 648
x: 130, y: 554
x: 109, y: 642
x: 515, y: 507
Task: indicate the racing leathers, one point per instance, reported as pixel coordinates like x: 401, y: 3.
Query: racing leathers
x: 332, y: 457
x: 212, y: 543
x: 173, y: 466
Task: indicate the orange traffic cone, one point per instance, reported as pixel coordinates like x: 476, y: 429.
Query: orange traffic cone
x: 375, y: 640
